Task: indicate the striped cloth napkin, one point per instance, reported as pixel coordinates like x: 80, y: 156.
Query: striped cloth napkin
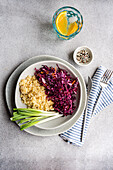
x: 73, y: 135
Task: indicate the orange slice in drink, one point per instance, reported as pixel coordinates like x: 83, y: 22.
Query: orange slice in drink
x: 73, y: 27
x: 61, y: 23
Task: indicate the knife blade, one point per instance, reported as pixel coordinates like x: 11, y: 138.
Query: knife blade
x: 84, y: 118
x: 89, y: 86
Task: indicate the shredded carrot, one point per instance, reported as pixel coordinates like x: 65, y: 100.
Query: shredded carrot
x: 55, y: 70
x: 73, y: 82
x: 53, y: 74
x: 47, y: 72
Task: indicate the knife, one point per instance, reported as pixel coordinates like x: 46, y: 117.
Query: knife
x: 84, y: 119
x: 89, y: 86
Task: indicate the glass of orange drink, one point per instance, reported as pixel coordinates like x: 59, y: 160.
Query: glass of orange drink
x: 67, y: 22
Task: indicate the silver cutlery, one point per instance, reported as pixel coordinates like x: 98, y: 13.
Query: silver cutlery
x: 84, y: 119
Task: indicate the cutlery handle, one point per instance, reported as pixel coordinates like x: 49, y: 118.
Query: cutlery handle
x: 84, y: 121
x: 97, y: 100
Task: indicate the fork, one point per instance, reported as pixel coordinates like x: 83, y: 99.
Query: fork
x: 103, y: 83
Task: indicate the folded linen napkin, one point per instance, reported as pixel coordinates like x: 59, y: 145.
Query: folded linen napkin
x: 73, y: 135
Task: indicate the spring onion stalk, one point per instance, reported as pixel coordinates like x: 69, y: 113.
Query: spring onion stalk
x: 33, y: 110
x: 14, y: 118
x: 36, y: 114
x: 27, y: 117
x: 29, y: 124
x: 31, y: 118
x: 26, y: 120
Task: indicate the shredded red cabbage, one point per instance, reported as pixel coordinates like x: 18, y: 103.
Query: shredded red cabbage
x: 60, y: 87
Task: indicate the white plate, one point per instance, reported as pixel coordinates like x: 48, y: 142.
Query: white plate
x: 9, y: 94
x: 58, y: 121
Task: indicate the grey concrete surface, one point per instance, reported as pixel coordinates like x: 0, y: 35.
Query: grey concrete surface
x: 26, y: 31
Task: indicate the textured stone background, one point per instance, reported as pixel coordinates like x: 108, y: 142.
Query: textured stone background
x: 26, y: 31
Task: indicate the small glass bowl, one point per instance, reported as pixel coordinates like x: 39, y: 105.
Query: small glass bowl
x: 79, y: 22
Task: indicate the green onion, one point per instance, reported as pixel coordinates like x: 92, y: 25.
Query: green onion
x: 26, y: 120
x: 29, y: 124
x: 15, y: 118
x: 29, y: 117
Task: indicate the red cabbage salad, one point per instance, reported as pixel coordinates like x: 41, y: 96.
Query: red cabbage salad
x: 60, y: 87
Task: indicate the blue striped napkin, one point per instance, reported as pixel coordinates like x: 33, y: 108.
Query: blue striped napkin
x: 73, y: 135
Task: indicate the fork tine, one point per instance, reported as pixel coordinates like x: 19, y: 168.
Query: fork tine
x: 103, y: 77
x: 107, y: 75
x: 110, y: 74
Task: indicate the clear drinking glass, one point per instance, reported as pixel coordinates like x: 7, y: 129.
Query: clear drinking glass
x: 67, y: 22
